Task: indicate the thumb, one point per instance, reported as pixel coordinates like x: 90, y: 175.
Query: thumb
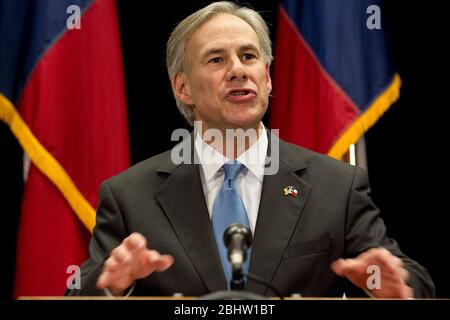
x: 164, y: 262
x: 341, y: 267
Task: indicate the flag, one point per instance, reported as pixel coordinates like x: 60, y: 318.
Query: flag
x: 62, y: 95
x: 332, y: 75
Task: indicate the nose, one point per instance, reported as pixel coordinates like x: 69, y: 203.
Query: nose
x: 237, y: 71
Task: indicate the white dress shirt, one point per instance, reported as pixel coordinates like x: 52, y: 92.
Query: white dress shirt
x: 248, y: 183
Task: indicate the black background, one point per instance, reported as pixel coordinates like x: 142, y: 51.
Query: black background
x: 406, y: 149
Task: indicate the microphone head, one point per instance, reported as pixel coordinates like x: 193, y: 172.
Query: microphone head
x: 239, y: 230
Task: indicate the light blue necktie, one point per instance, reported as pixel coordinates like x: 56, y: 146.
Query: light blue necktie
x: 228, y: 209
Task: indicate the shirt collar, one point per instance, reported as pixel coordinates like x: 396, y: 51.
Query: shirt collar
x: 254, y: 158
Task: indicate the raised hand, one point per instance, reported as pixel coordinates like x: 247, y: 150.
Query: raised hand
x: 130, y: 261
x: 392, y: 273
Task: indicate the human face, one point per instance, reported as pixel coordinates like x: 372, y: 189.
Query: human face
x: 228, y: 80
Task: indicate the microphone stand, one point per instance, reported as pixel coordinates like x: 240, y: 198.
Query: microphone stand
x: 237, y: 238
x: 237, y: 285
x: 238, y: 293
x: 237, y: 281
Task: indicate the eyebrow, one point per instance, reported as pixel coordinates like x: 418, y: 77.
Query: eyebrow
x: 249, y: 47
x: 213, y: 51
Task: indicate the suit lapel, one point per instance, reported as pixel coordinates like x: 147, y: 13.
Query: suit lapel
x: 183, y: 201
x: 277, y: 217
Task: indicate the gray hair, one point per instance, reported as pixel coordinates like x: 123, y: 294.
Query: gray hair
x: 176, y: 45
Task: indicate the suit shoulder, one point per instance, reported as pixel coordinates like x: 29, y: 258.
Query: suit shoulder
x: 317, y: 162
x: 139, y: 172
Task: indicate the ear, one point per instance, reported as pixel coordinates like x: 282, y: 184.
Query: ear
x: 268, y: 79
x: 181, y: 89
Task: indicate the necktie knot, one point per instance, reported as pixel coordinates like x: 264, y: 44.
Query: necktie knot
x: 232, y: 169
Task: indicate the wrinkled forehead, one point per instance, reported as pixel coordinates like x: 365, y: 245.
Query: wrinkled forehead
x: 220, y: 32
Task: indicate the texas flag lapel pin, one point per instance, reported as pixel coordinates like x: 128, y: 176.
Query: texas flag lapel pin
x: 290, y: 190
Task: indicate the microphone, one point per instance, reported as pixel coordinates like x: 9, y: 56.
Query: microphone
x: 237, y: 239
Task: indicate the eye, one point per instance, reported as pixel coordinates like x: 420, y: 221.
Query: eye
x: 215, y: 60
x: 248, y: 56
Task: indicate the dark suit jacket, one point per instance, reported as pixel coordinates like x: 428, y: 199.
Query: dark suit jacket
x: 296, y: 238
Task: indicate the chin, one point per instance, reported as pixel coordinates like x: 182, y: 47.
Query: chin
x: 244, y: 123
x: 246, y: 118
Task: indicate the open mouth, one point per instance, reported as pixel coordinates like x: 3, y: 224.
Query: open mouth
x: 241, y: 94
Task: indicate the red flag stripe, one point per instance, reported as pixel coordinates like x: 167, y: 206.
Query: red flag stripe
x: 308, y: 106
x: 74, y: 104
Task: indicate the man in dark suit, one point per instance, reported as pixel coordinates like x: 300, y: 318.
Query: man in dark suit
x: 313, y: 222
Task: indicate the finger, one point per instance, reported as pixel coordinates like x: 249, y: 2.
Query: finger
x: 390, y: 265
x: 391, y: 269
x: 164, y: 263
x: 111, y: 264
x: 116, y: 282
x: 392, y: 286
x: 399, y: 291
x: 344, y: 267
x: 338, y: 267
x: 408, y: 293
x: 135, y: 241
x: 385, y: 257
x: 121, y: 253
x: 153, y: 257
x: 103, y: 280
x: 119, y: 281
x: 387, y: 277
x: 373, y: 256
x: 120, y: 284
x: 112, y: 269
x: 371, y: 253
x: 400, y: 265
x: 158, y: 262
x: 378, y: 257
x: 397, y: 275
x: 404, y: 275
x: 399, y: 262
x: 386, y: 272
